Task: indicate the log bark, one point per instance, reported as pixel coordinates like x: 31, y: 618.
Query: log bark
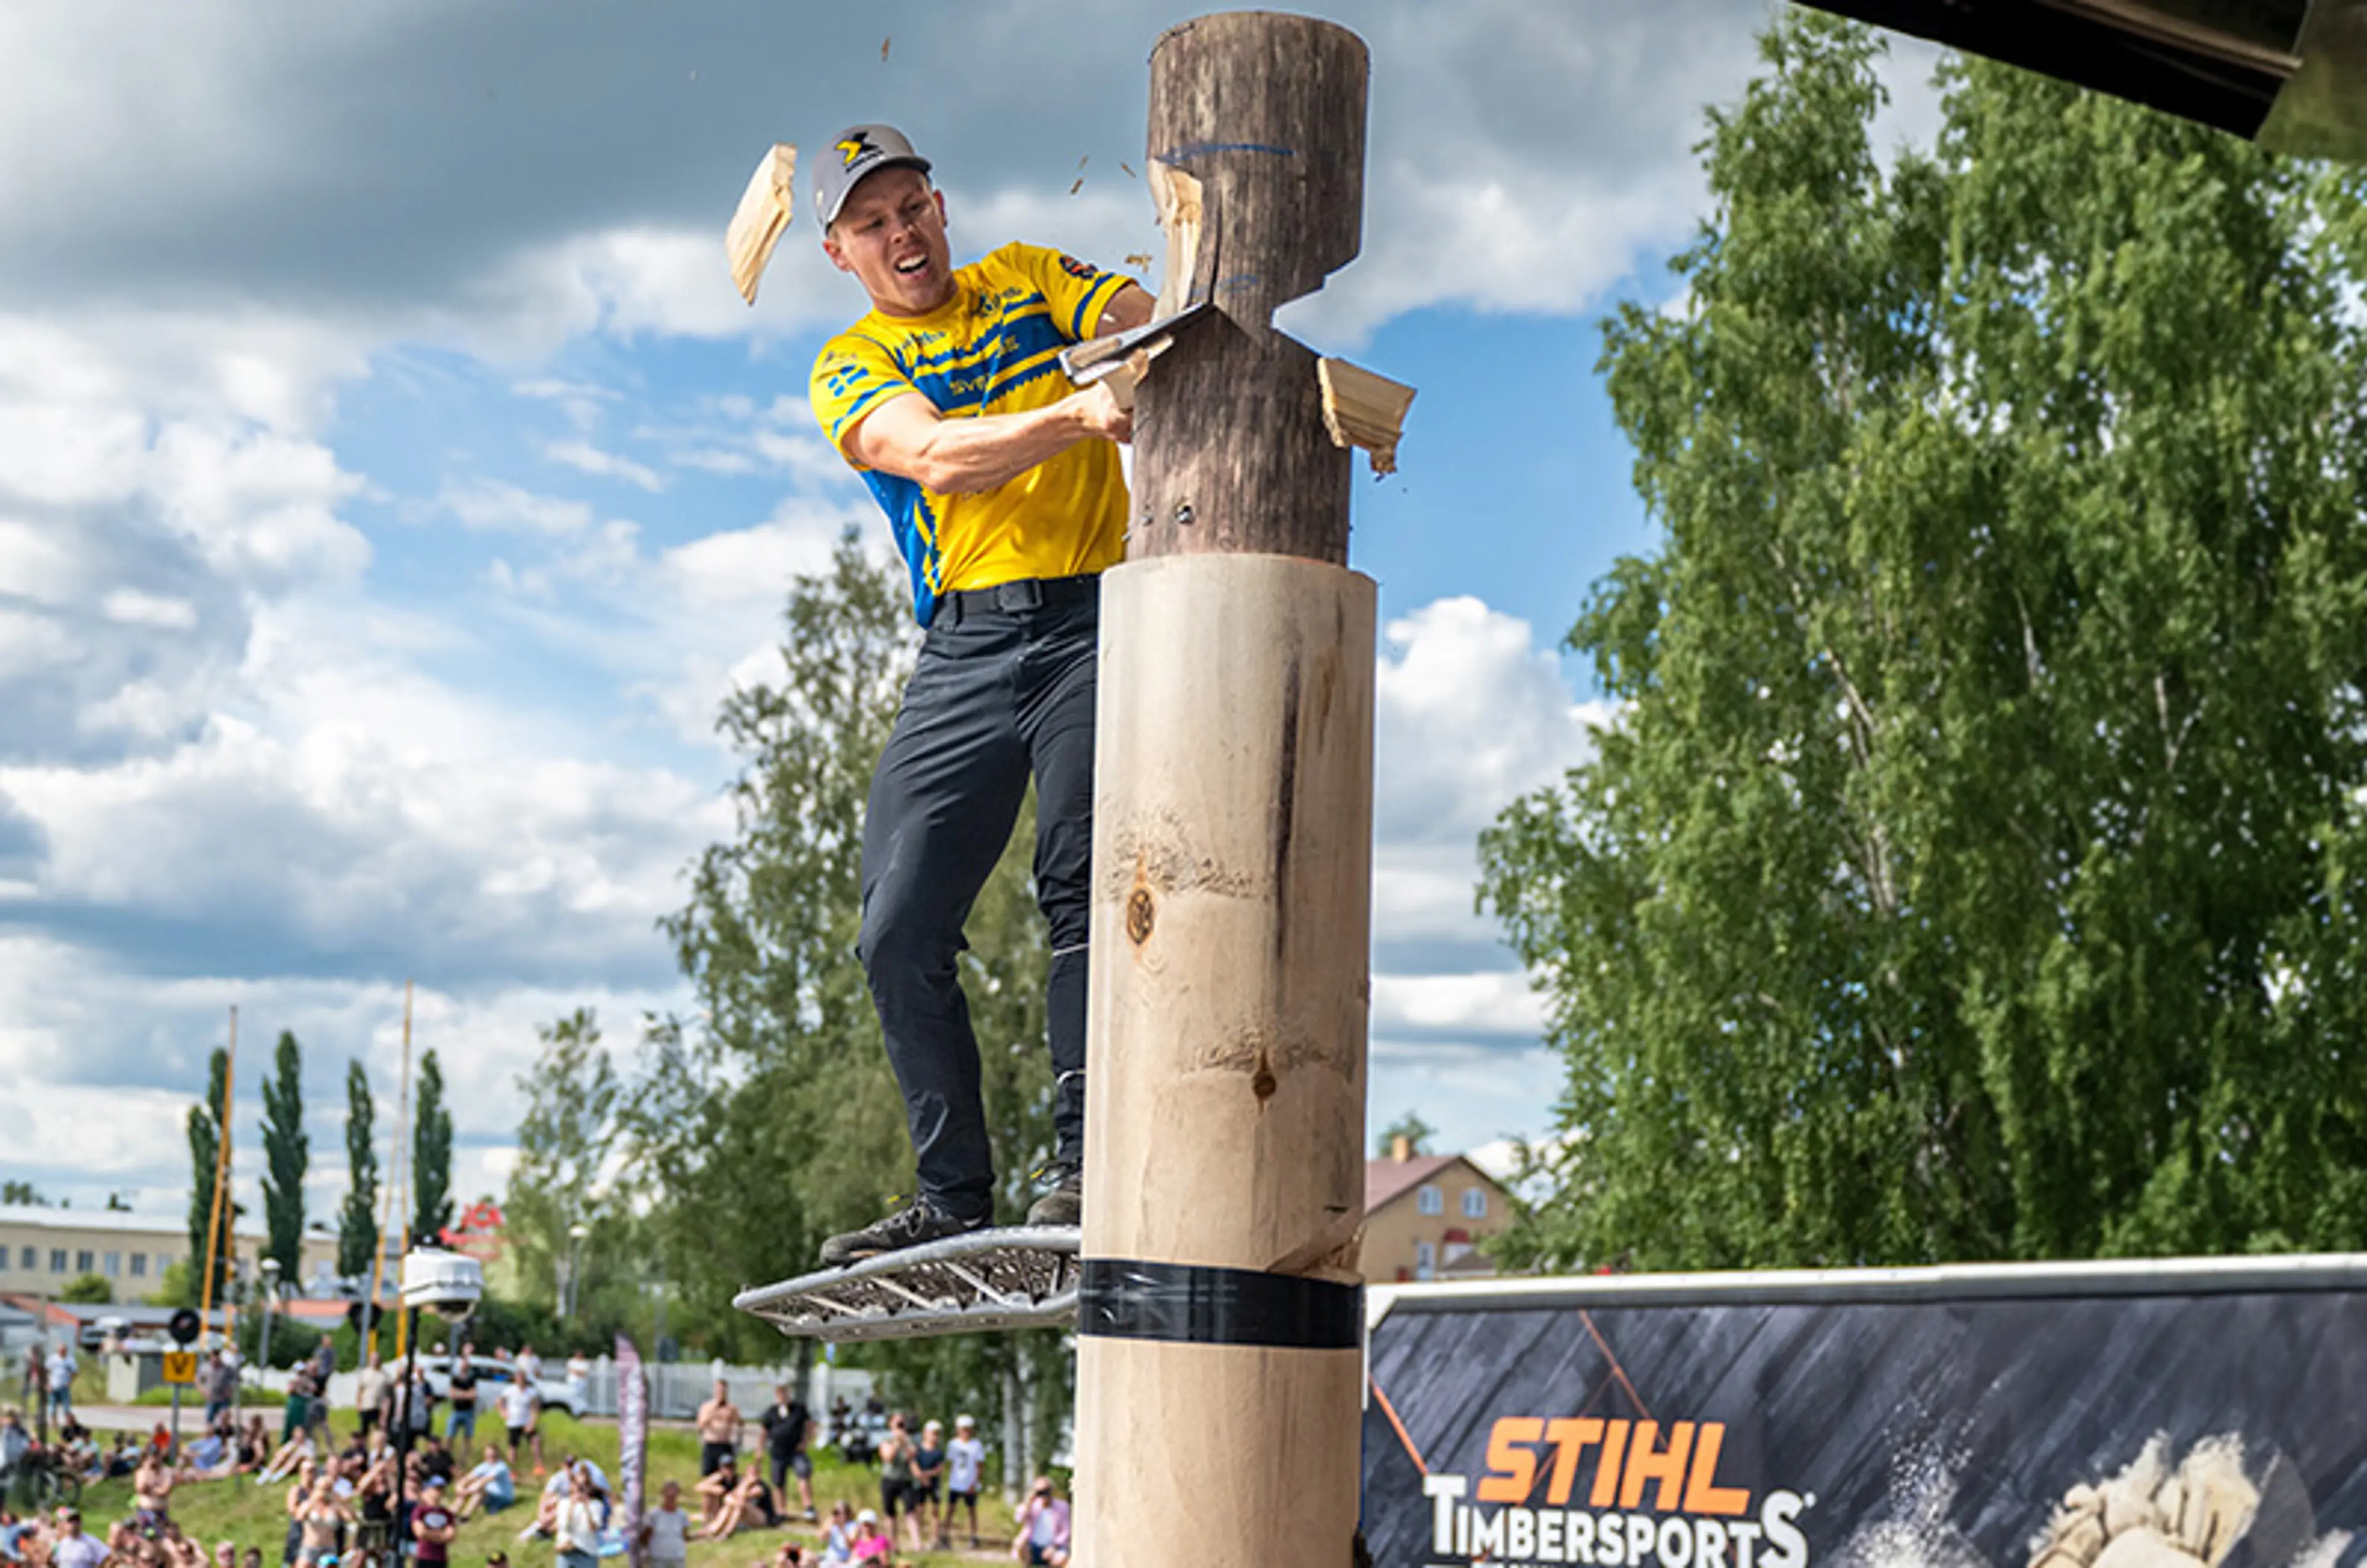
x: 1266, y: 114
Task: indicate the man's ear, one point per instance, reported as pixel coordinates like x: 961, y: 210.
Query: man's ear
x: 837, y: 257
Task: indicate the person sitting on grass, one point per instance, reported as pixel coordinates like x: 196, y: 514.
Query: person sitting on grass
x: 871, y: 1542
x: 490, y: 1485
x: 152, y: 1489
x: 790, y: 1555
x: 1043, y: 1538
x: 296, y: 1454
x: 665, y: 1533
x: 575, y: 1532
x: 321, y: 1519
x: 554, y: 1494
x: 730, y: 1499
x: 838, y: 1540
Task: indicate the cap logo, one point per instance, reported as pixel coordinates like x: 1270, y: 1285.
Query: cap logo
x: 853, y: 148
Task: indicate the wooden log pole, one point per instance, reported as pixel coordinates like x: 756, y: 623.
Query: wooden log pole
x: 1219, y: 1369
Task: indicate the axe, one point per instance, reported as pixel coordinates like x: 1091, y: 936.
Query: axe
x: 1124, y: 358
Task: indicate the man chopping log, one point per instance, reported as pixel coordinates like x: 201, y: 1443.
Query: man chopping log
x: 1002, y: 485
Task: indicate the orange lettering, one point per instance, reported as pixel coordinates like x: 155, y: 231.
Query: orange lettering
x: 1702, y: 1494
x: 1606, y: 1469
x: 1666, y: 1466
x: 1513, y: 1463
x: 1570, y: 1437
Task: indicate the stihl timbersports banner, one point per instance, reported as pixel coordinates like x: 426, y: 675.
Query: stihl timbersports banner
x: 1996, y: 1430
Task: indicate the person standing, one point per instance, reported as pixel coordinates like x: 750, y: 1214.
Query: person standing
x: 521, y: 1415
x: 58, y: 1375
x: 965, y: 1473
x: 789, y: 1426
x: 579, y: 1384
x: 370, y: 1388
x: 896, y: 1479
x: 461, y: 1388
x: 718, y: 1429
x: 1004, y: 493
x: 221, y: 1386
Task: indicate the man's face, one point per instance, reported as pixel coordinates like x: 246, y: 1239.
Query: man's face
x: 890, y: 235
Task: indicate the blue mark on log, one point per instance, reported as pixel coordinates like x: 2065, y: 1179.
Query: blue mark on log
x: 1201, y: 149
x: 1238, y: 282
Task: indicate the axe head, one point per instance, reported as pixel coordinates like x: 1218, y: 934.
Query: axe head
x: 1098, y: 357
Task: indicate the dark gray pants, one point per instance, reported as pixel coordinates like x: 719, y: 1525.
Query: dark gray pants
x: 1000, y: 692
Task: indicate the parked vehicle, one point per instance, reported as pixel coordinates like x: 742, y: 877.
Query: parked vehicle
x: 493, y: 1376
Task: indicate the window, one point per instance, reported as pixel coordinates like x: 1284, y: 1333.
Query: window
x: 28, y: 1260
x: 1425, y: 1258
x: 82, y: 1262
x: 1475, y: 1202
x: 57, y: 1260
x: 112, y: 1265
x: 139, y: 1265
x: 1430, y: 1200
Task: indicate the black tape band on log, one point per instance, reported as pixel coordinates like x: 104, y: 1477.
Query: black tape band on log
x: 1185, y: 1303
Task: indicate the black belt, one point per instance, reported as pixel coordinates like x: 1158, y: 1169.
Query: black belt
x: 1018, y: 598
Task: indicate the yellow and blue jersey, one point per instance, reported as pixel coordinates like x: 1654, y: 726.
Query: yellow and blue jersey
x: 992, y: 348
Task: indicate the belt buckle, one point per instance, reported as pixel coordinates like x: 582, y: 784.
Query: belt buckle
x: 1026, y: 594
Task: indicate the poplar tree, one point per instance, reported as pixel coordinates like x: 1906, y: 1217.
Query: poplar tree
x: 286, y: 1155
x: 357, y: 1219
x: 431, y: 1155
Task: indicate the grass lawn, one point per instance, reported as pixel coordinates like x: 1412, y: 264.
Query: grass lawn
x: 253, y: 1516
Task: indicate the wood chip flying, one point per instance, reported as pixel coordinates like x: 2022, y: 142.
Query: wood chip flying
x: 1139, y: 261
x: 883, y: 47
x: 1076, y: 184
x: 1129, y: 171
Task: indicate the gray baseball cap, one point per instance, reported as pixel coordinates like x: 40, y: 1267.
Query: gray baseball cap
x: 857, y: 150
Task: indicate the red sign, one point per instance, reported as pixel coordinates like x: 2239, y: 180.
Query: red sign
x: 478, y: 1232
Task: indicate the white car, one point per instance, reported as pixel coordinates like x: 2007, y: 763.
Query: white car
x: 493, y: 1376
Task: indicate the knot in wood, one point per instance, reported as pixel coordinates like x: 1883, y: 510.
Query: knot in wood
x: 1141, y: 912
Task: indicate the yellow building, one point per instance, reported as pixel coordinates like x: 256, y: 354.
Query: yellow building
x: 43, y: 1250
x: 1424, y: 1216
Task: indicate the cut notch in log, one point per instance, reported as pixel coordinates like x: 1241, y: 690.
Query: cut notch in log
x: 1180, y: 214
x: 1361, y: 409
x: 761, y: 218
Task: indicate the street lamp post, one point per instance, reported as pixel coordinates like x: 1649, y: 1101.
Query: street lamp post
x: 270, y: 1269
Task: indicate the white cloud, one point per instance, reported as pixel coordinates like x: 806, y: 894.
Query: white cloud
x: 495, y: 504
x: 587, y: 458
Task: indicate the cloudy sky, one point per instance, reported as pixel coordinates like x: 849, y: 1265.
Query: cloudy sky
x: 391, y: 483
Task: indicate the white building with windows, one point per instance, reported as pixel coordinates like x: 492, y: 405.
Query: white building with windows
x: 43, y: 1250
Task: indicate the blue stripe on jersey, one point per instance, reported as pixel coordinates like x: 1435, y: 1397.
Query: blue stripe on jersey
x: 1111, y: 282
x: 972, y: 387
x: 916, y: 536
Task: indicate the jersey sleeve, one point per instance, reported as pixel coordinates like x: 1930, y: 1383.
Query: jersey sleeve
x: 851, y: 376
x: 1077, y: 291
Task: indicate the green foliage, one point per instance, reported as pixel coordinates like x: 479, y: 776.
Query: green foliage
x: 286, y: 1155
x: 204, y: 1126
x: 431, y: 1155
x: 777, y: 1122
x: 357, y: 1216
x: 176, y: 1286
x: 1416, y: 1131
x: 565, y: 1146
x: 1977, y: 867
x: 89, y: 1288
x: 22, y: 1192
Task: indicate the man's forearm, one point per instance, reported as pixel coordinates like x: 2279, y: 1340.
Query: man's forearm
x: 967, y: 456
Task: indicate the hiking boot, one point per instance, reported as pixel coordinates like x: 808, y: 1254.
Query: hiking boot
x: 917, y: 1222
x: 1063, y: 1203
